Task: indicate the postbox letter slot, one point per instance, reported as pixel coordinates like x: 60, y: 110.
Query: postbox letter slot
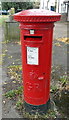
x: 33, y: 38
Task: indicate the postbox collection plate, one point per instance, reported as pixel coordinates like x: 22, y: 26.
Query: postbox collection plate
x: 32, y: 55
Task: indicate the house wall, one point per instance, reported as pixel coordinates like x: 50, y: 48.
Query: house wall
x: 58, y: 5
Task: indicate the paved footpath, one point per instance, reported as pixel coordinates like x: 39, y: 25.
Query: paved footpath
x: 59, y: 58
x: 8, y: 110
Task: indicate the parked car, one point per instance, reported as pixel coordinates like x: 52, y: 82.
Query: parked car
x: 4, y: 12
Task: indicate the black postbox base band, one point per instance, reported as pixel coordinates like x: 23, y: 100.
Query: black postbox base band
x: 32, y: 109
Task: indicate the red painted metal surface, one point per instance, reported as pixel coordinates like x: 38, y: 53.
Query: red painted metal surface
x: 37, y: 15
x: 36, y: 40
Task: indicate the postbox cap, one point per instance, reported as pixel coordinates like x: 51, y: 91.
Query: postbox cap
x: 37, y: 15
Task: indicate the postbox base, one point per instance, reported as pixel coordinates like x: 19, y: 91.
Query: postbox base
x: 32, y: 109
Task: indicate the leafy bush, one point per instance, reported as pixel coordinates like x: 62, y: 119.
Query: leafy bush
x: 17, y: 5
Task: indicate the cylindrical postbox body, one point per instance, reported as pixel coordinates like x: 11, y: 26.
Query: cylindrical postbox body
x: 36, y: 40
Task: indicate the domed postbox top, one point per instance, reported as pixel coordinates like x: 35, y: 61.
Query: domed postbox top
x: 37, y: 15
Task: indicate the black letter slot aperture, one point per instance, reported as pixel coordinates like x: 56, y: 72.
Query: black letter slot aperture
x: 33, y: 38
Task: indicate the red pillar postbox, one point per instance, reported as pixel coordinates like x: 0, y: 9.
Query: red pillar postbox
x: 36, y: 40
